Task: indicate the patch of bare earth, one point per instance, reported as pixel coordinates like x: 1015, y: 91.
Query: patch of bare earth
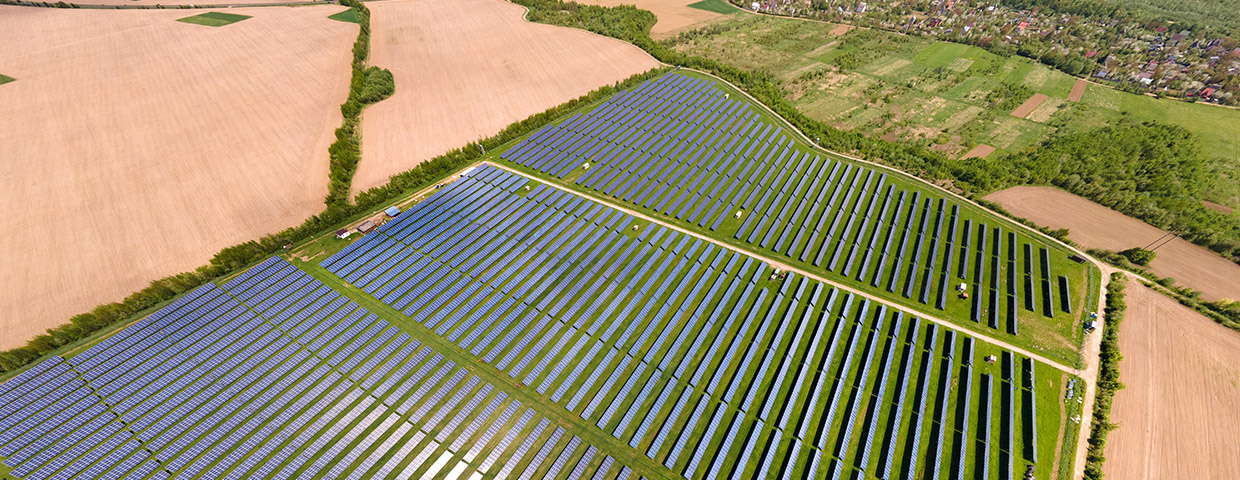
x: 980, y: 151
x: 1096, y: 226
x: 137, y: 146
x: 1026, y: 108
x: 1217, y: 207
x: 1078, y: 90
x: 674, y: 15
x: 466, y: 69
x: 840, y: 30
x: 1177, y: 413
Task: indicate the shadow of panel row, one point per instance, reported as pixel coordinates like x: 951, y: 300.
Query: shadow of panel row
x: 680, y: 147
x: 274, y: 375
x: 698, y: 357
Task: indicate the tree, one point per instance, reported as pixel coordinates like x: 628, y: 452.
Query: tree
x: 1139, y: 256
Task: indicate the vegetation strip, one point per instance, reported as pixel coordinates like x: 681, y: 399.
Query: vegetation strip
x: 367, y: 86
x: 1108, y: 377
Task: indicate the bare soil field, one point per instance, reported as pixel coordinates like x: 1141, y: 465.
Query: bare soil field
x: 841, y: 29
x: 1095, y: 226
x: 674, y: 15
x: 466, y: 69
x: 1078, y: 90
x: 980, y: 151
x: 1026, y: 108
x: 1177, y: 414
x: 136, y: 146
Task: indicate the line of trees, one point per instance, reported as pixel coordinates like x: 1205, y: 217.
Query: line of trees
x: 366, y: 86
x: 1108, y: 377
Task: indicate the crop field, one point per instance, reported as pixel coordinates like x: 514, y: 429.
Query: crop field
x: 724, y: 170
x: 466, y: 69
x: 274, y: 375
x: 119, y: 148
x: 946, y: 96
x: 675, y: 15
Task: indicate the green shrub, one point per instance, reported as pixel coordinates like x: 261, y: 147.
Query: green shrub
x: 1139, y: 256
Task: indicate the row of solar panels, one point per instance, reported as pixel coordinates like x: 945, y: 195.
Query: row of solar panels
x: 674, y: 336
x: 706, y: 167
x: 275, y: 376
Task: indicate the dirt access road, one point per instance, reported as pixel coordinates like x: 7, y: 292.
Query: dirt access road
x: 136, y: 146
x: 465, y: 69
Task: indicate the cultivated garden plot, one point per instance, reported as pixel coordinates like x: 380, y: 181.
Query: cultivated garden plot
x: 680, y: 147
x: 275, y: 375
x: 700, y: 358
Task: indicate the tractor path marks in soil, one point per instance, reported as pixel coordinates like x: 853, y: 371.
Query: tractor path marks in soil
x: 1181, y: 375
x: 465, y: 70
x: 128, y: 167
x: 1095, y: 226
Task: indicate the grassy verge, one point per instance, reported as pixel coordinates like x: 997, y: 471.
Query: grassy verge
x: 6, y: 79
x: 214, y: 19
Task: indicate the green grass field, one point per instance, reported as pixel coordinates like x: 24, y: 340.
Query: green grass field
x: 717, y: 6
x: 349, y: 16
x: 214, y: 19
x: 6, y: 79
x: 941, y: 95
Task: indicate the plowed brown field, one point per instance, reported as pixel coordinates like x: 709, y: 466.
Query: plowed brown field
x: 466, y: 69
x: 135, y: 146
x: 1096, y: 226
x: 1078, y: 90
x: 1177, y: 414
x: 1026, y: 108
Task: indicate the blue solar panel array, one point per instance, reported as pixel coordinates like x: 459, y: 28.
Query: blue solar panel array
x: 273, y: 375
x: 690, y: 354
x: 680, y: 147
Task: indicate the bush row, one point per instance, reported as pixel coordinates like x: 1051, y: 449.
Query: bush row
x: 366, y: 86
x: 1108, y: 377
x: 234, y: 258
